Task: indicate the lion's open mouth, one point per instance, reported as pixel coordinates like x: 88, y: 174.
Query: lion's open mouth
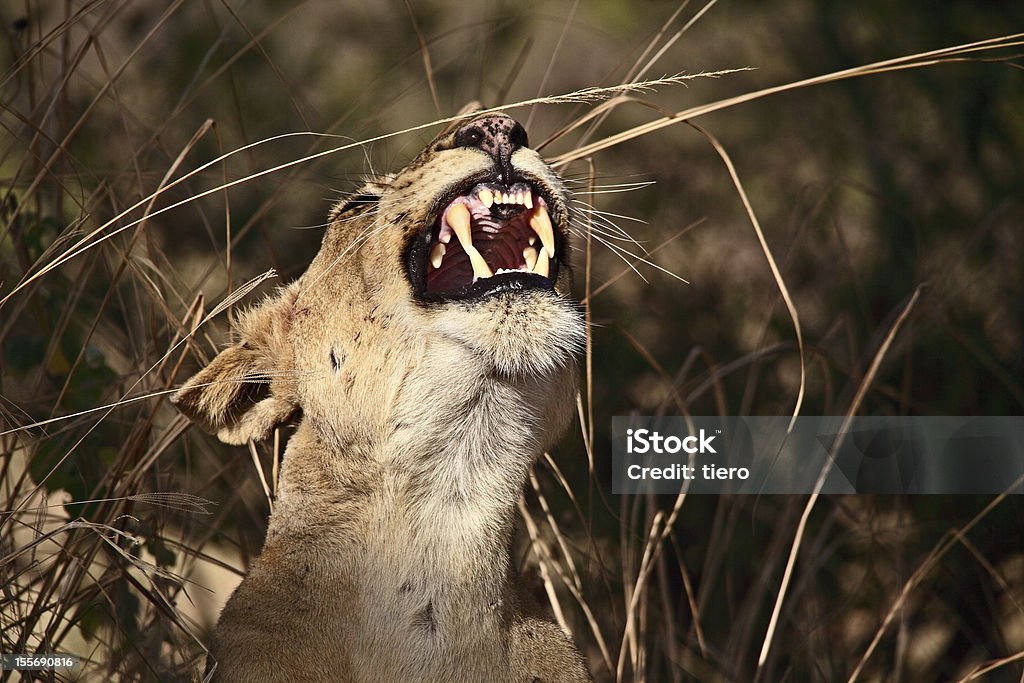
x: 492, y: 238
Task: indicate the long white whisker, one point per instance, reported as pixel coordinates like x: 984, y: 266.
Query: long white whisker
x: 618, y: 253
x: 611, y: 190
x: 601, y: 225
x: 622, y: 253
x: 590, y: 209
x: 627, y: 186
x: 598, y: 229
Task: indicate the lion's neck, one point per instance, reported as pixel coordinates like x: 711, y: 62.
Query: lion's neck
x: 405, y: 527
x: 438, y: 483
x: 417, y: 527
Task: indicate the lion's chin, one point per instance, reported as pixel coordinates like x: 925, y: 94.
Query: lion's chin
x: 536, y: 332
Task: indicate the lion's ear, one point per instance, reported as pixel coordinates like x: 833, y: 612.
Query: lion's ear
x: 244, y: 392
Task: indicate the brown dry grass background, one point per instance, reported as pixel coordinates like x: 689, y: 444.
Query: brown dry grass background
x: 117, y: 518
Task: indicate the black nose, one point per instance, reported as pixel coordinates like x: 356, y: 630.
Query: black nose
x: 499, y: 136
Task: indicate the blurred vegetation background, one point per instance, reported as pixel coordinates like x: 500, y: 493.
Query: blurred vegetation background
x: 866, y: 190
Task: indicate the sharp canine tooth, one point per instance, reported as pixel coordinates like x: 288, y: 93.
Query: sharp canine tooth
x: 487, y: 197
x: 458, y: 218
x: 541, y: 224
x: 530, y: 255
x: 542, y: 264
x: 437, y: 254
x: 480, y: 267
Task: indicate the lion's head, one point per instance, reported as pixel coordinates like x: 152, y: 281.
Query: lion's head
x: 454, y: 269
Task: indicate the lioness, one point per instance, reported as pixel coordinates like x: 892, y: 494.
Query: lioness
x: 427, y: 358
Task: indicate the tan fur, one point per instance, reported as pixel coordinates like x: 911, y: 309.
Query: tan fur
x: 387, y: 555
